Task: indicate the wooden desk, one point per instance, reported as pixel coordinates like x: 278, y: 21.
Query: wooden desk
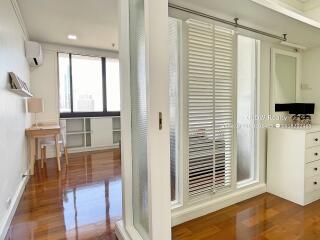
x: 34, y: 133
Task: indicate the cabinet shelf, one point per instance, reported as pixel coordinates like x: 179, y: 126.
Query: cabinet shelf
x: 91, y: 133
x: 78, y: 132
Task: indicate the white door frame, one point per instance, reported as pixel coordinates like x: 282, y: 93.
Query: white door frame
x: 158, y: 140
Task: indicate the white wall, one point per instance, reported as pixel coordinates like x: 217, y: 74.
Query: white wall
x: 13, y: 117
x: 44, y: 84
x: 311, y: 77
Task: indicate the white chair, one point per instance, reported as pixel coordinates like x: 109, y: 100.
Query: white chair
x: 48, y: 142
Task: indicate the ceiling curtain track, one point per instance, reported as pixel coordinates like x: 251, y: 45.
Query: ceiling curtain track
x: 234, y: 24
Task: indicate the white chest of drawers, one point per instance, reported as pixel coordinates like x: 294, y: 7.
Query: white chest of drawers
x: 293, y: 165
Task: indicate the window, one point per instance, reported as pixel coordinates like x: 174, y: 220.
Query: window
x: 246, y: 109
x: 64, y: 77
x: 113, y: 84
x: 89, y: 86
x: 86, y: 84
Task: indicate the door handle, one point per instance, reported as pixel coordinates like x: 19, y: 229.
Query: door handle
x: 160, y: 120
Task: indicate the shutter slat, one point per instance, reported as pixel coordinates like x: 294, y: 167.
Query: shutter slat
x: 200, y: 107
x: 210, y: 102
x: 223, y: 63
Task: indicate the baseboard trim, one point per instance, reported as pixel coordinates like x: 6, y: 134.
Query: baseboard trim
x: 126, y: 233
x: 11, y: 211
x: 121, y: 232
x: 91, y: 149
x: 186, y: 214
x: 51, y: 151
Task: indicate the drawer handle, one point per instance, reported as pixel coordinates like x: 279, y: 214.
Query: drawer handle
x: 316, y: 154
x: 316, y: 139
x: 315, y: 183
x: 316, y: 169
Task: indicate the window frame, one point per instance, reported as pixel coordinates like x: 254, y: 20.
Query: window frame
x: 72, y: 114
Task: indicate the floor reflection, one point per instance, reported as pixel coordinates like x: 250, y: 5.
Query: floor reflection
x: 89, y: 205
x: 82, y: 202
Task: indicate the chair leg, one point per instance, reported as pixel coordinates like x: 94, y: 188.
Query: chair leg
x: 66, y: 155
x: 43, y: 155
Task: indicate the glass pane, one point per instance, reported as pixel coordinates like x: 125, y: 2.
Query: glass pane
x: 285, y: 79
x: 64, y: 82
x: 113, y: 84
x: 139, y: 118
x: 87, y: 84
x: 174, y: 45
x: 246, y: 108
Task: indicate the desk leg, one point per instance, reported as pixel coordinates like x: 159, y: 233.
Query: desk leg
x: 58, y: 151
x: 37, y: 148
x: 32, y: 154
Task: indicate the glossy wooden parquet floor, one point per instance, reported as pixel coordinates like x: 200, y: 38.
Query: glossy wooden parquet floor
x: 82, y: 202
x: 265, y: 217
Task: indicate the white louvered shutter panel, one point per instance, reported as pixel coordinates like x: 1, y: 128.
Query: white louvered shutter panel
x: 200, y: 107
x: 223, y: 78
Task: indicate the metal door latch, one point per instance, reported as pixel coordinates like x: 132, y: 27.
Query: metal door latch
x: 160, y: 120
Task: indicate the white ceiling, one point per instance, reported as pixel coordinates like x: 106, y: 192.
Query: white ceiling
x: 260, y: 17
x: 95, y: 22
x: 301, y: 5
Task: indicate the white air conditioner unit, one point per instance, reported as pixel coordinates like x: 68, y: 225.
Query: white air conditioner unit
x: 33, y: 53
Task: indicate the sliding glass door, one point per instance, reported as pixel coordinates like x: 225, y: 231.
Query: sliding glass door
x: 145, y: 121
x: 139, y: 118
x: 246, y: 109
x: 175, y: 106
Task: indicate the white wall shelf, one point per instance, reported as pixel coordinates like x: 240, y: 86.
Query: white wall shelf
x: 21, y: 92
x: 18, y: 86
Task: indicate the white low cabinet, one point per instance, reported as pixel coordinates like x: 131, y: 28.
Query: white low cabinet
x: 101, y: 132
x: 293, y: 165
x: 91, y: 133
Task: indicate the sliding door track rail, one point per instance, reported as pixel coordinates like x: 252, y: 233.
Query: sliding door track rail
x: 234, y: 24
